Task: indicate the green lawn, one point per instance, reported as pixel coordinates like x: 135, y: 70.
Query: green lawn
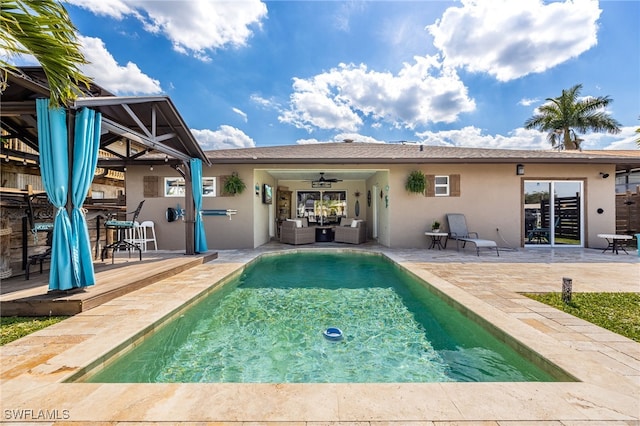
x: 618, y: 312
x: 13, y: 328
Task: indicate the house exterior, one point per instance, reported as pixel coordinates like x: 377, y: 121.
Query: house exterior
x: 561, y: 198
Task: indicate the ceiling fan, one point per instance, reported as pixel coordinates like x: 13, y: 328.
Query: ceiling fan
x: 323, y: 179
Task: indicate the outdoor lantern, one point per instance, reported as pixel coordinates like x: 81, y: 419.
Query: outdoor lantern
x: 520, y: 169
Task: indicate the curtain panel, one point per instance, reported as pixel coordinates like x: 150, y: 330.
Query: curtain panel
x: 196, y: 185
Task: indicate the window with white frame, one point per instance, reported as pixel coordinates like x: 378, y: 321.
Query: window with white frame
x: 174, y: 187
x: 441, y: 186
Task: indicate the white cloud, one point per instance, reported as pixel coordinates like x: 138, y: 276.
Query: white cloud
x: 528, y: 102
x: 341, y: 137
x: 356, y: 137
x: 420, y: 93
x: 194, y: 27
x: 116, y: 9
x: 520, y: 138
x: 626, y: 139
x: 510, y: 39
x: 263, y: 102
x: 240, y: 113
x: 106, y: 72
x: 344, y: 11
x: 472, y: 137
x: 225, y: 137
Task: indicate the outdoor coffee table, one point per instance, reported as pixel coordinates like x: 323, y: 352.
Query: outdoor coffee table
x: 612, y: 241
x: 324, y: 234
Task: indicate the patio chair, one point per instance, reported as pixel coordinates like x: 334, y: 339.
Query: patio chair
x: 36, y: 227
x: 458, y: 231
x: 291, y: 233
x: 124, y: 229
x: 351, y: 231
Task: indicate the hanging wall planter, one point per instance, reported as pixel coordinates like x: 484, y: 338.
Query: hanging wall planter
x: 416, y: 182
x: 233, y: 184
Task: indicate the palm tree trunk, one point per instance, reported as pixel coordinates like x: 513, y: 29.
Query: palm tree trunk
x: 568, y: 142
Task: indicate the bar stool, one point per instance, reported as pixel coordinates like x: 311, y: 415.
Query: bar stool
x: 147, y: 234
x: 123, y: 229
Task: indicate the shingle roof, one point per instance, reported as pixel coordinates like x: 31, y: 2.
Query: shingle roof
x: 358, y: 152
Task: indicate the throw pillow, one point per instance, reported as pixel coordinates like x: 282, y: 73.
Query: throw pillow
x: 355, y: 223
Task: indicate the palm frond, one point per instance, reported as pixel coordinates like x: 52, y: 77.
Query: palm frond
x: 43, y: 29
x: 565, y: 116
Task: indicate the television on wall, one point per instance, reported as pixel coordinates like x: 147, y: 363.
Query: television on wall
x: 267, y: 194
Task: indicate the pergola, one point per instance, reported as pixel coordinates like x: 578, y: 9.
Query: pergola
x: 149, y: 121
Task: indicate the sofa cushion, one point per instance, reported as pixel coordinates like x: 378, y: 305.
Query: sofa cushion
x: 346, y: 221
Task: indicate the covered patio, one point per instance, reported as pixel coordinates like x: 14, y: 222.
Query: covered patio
x: 133, y: 130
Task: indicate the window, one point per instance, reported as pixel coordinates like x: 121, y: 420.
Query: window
x: 174, y: 187
x: 208, y: 187
x: 441, y: 186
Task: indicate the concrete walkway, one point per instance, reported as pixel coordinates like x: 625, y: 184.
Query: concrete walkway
x: 35, y: 370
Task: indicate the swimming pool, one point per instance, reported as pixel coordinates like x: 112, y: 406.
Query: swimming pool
x: 266, y: 327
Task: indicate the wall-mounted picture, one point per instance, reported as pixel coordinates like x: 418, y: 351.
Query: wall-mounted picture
x: 267, y: 194
x: 174, y: 187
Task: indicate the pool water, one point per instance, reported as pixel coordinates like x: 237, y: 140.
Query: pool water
x: 267, y: 327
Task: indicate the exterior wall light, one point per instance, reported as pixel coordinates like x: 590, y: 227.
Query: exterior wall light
x: 520, y: 169
x: 604, y: 175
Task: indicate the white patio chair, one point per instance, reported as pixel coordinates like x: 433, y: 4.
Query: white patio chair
x: 147, y: 234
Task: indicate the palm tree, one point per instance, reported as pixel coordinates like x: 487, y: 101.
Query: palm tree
x: 43, y: 29
x: 638, y: 140
x: 566, y: 115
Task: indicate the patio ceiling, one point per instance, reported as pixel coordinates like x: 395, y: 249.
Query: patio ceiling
x: 150, y: 122
x: 313, y: 174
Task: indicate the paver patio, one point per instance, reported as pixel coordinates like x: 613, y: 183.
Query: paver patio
x: 607, y: 366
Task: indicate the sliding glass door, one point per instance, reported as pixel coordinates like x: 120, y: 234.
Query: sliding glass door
x: 322, y: 207
x: 553, y: 213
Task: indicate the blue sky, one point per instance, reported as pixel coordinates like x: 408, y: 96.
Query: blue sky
x: 461, y: 73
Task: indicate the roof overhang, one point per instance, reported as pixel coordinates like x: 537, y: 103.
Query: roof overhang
x: 150, y: 121
x: 352, y: 154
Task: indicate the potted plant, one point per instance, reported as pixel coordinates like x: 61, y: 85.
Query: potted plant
x: 233, y: 184
x: 435, y: 226
x: 416, y: 182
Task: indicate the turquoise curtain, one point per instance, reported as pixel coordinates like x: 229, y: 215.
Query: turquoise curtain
x: 54, y: 170
x: 196, y: 185
x: 71, y: 261
x: 85, y: 159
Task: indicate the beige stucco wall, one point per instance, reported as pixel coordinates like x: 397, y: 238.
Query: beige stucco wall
x: 491, y: 197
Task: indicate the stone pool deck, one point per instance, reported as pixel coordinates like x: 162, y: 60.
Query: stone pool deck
x: 34, y: 369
